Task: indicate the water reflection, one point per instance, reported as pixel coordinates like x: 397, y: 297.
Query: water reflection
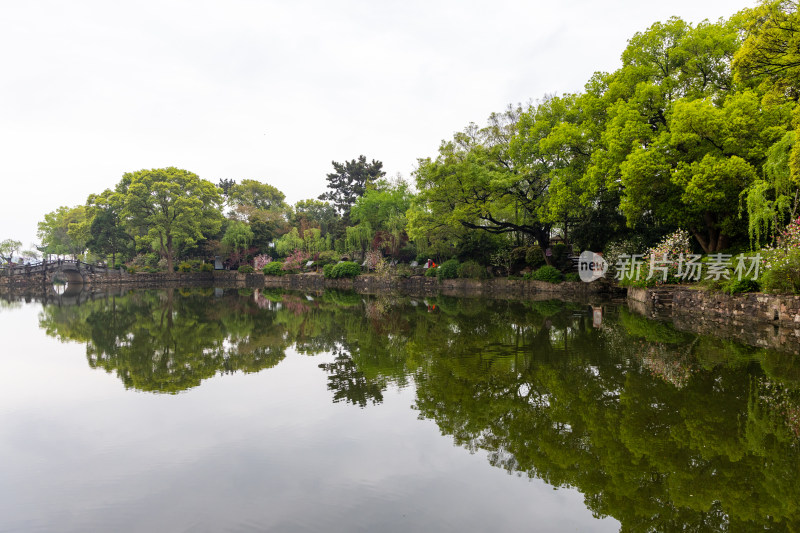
x: 661, y: 429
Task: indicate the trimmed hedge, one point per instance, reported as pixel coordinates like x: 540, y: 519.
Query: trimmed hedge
x: 345, y: 269
x: 273, y: 269
x: 246, y: 269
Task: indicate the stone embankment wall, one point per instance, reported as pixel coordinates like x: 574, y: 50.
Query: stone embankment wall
x: 367, y: 284
x: 425, y: 286
x: 766, y: 320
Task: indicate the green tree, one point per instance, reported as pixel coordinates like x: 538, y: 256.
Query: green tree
x: 314, y: 213
x: 384, y: 209
x: 349, y: 181
x: 168, y: 205
x: 238, y: 236
x: 249, y: 195
x: 475, y: 183
x: 8, y: 248
x: 289, y: 242
x: 226, y: 185
x: 771, y: 50
x: 107, y: 235
x: 64, y: 231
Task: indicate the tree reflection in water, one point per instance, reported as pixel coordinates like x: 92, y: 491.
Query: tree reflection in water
x: 661, y: 429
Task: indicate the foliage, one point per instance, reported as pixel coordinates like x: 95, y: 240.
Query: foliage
x: 64, y: 231
x: 534, y: 257
x: 260, y: 261
x: 448, y: 269
x: 358, y: 238
x: 288, y: 243
x: 238, y: 236
x: 8, y: 248
x: 383, y: 207
x: 546, y: 273
x: 251, y: 195
x: 771, y: 202
x: 185, y: 267
x: 349, y: 181
x: 561, y: 256
x: 372, y: 259
x: 431, y: 272
x: 572, y: 276
x: 666, y: 254
x: 295, y: 261
x: 503, y: 258
x: 735, y: 286
x: 169, y: 205
x: 206, y: 267
x: 275, y: 268
x: 781, y: 263
x: 314, y: 213
x: 471, y: 270
x: 770, y: 51
x: 107, y: 235
x: 327, y: 270
x: 313, y: 242
x: 345, y: 269
x: 246, y: 269
x: 475, y: 183
x: 326, y: 257
x: 614, y: 251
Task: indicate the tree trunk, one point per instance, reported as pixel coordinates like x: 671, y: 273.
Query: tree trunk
x: 543, y: 239
x: 711, y: 239
x: 169, y: 253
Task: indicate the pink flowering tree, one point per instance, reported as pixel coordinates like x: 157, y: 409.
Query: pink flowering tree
x: 295, y: 261
x: 781, y: 262
x: 260, y: 261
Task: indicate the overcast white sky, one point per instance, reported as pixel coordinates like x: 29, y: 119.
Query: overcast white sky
x: 275, y: 91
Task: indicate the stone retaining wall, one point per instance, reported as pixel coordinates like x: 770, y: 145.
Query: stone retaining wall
x: 765, y: 320
x: 415, y: 285
x: 778, y: 309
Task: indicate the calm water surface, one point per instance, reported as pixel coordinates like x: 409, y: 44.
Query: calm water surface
x: 212, y: 410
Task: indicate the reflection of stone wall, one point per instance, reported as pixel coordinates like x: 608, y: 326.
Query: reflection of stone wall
x: 765, y: 320
x: 421, y: 285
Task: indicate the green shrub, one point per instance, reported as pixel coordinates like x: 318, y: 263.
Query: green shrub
x: 403, y: 271
x: 327, y: 270
x: 431, y: 272
x: 132, y: 269
x: 246, y: 269
x: 206, y: 267
x: 735, y: 286
x: 184, y: 267
x: 345, y: 269
x: 448, y: 269
x: 546, y: 273
x: 273, y: 269
x: 328, y: 257
x: 534, y: 257
x: 471, y: 270
x: 572, y: 276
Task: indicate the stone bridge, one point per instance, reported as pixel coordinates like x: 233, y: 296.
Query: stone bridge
x: 70, y: 272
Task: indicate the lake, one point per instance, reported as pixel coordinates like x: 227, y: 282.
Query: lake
x: 265, y: 410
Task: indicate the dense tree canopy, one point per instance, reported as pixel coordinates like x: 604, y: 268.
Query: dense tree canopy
x: 170, y: 205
